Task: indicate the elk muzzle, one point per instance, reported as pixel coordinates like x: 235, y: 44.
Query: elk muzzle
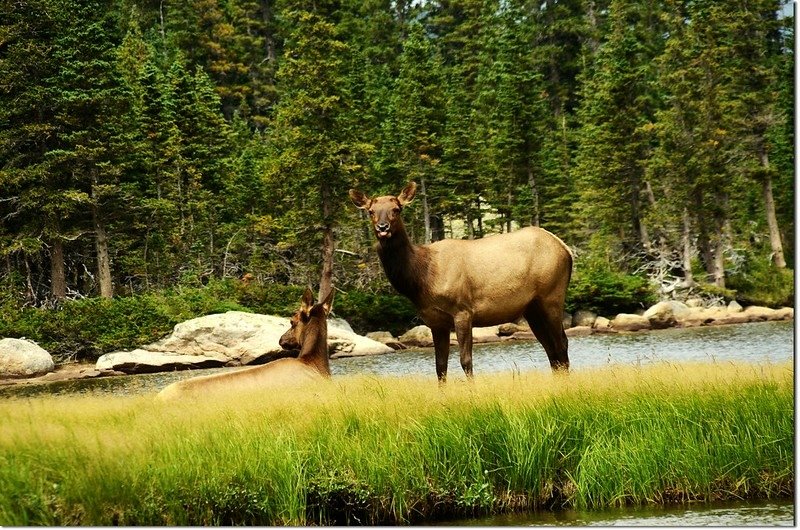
x: 289, y: 341
x: 383, y: 230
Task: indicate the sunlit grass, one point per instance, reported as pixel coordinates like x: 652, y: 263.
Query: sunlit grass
x: 379, y: 449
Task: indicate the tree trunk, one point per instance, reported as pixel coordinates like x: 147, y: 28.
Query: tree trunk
x: 437, y: 228
x: 509, y: 209
x: 328, y: 247
x: 103, y: 257
x: 703, y: 241
x: 686, y: 237
x: 772, y: 220
x: 29, y: 281
x: 719, y: 264
x: 591, y: 16
x: 535, y: 197
x: 269, y: 41
x: 58, y: 278
x: 480, y: 215
x: 426, y: 213
x: 328, y: 244
x: 636, y: 217
x: 720, y: 222
x: 101, y: 247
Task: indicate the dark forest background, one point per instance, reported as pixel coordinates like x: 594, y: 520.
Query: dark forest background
x: 157, y: 144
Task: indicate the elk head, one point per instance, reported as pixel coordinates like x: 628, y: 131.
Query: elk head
x: 384, y: 212
x: 295, y: 336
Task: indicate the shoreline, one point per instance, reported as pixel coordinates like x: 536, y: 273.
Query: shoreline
x: 79, y: 370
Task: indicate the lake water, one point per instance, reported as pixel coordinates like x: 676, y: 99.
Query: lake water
x: 756, y: 342
x: 764, y: 342
x: 760, y: 342
x: 741, y: 514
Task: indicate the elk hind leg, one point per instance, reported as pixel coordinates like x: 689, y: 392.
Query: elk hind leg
x: 441, y: 345
x: 546, y: 324
x: 463, y: 325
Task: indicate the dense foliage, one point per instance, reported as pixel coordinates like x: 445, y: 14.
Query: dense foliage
x: 87, y: 328
x: 147, y: 145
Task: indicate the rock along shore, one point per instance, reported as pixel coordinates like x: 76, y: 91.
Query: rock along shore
x: 237, y: 338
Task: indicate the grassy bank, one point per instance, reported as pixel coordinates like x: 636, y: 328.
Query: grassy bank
x: 384, y: 450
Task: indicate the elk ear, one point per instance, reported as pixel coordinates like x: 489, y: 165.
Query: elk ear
x: 359, y: 199
x: 307, y: 301
x: 407, y: 195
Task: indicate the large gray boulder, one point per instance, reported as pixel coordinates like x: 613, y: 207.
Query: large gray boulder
x: 485, y: 334
x: 703, y: 316
x: 583, y: 317
x: 602, y: 324
x: 630, y: 322
x: 234, y: 338
x: 23, y: 358
x: 666, y: 314
x: 344, y: 342
x: 141, y: 361
x: 420, y: 336
x: 735, y: 307
x: 510, y: 328
x: 237, y: 337
x: 578, y: 331
x: 384, y: 337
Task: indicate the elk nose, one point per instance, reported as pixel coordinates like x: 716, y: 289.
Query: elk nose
x: 382, y: 227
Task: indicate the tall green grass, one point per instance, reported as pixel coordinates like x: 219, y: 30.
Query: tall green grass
x: 384, y: 450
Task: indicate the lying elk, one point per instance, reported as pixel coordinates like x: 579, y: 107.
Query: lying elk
x: 308, y: 333
x: 484, y: 282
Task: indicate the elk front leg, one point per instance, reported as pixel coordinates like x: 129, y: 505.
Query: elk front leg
x: 441, y: 344
x: 463, y: 325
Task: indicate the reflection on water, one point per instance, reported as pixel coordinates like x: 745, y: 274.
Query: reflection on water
x: 770, y: 342
x: 744, y: 513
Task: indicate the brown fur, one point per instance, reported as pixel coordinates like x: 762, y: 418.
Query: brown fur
x: 311, y: 365
x: 460, y: 284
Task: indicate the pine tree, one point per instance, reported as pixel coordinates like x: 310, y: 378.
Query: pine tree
x: 412, y: 148
x: 315, y: 156
x: 617, y: 109
x: 514, y: 112
x: 701, y: 149
x: 27, y: 132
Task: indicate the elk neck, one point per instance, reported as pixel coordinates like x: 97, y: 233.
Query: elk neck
x: 406, y: 265
x: 315, y: 345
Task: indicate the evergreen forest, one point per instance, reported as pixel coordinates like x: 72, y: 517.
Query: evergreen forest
x: 148, y: 145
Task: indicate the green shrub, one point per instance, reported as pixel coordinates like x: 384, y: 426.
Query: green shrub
x: 88, y: 328
x: 710, y: 290
x: 372, y: 312
x: 269, y: 299
x: 85, y: 329
x: 761, y: 283
x: 598, y: 288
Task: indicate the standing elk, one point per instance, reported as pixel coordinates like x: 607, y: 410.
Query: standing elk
x: 460, y: 284
x: 308, y: 333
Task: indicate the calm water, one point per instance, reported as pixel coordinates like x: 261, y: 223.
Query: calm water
x: 751, y: 513
x: 761, y: 342
x: 765, y: 342
x: 757, y: 342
